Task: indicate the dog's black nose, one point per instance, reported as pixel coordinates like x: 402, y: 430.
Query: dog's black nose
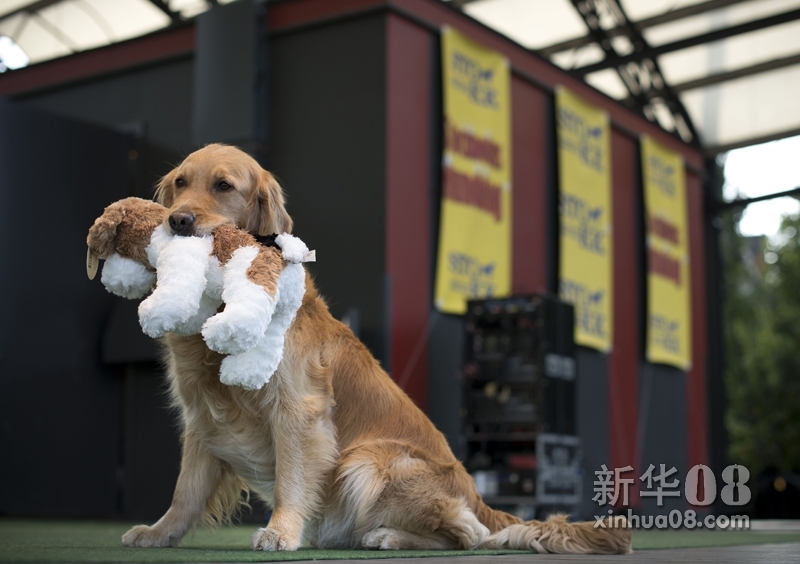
x: 181, y: 223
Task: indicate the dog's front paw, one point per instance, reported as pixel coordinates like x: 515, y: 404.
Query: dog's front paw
x: 149, y: 537
x: 270, y: 540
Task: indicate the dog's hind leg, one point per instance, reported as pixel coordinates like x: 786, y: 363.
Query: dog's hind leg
x: 384, y: 538
x: 391, y: 488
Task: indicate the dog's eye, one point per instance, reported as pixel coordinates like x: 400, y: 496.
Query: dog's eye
x: 223, y: 186
x: 180, y: 182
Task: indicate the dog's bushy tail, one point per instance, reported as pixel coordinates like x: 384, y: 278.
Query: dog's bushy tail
x: 495, y: 520
x: 558, y: 536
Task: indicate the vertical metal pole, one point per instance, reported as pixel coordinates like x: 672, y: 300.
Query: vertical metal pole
x: 715, y: 391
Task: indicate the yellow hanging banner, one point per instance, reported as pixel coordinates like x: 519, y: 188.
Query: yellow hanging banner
x: 474, y: 254
x: 669, y: 332
x: 586, y: 251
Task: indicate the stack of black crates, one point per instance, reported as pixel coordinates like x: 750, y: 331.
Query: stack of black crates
x: 519, y: 417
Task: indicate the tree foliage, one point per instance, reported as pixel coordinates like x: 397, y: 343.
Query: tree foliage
x: 761, y: 320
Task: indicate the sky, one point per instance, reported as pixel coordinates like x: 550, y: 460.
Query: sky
x: 764, y: 169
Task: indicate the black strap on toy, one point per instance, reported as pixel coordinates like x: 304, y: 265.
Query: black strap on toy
x: 268, y: 240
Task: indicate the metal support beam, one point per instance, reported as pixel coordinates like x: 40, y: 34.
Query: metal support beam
x: 640, y: 25
x: 727, y: 76
x: 686, y: 12
x: 744, y: 202
x: 55, y: 32
x: 738, y: 73
x: 717, y: 35
x: 724, y: 148
x: 459, y: 3
x: 164, y: 7
x: 645, y: 81
x: 587, y: 10
x: 31, y: 8
x: 715, y: 352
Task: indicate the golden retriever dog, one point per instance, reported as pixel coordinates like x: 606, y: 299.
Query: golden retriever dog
x: 341, y: 454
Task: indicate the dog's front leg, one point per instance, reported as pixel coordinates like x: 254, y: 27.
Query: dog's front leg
x: 199, y: 476
x: 304, y: 454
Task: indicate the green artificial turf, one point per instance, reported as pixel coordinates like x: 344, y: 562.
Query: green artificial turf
x: 84, y: 541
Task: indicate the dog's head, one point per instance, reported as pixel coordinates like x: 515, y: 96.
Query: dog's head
x: 222, y: 185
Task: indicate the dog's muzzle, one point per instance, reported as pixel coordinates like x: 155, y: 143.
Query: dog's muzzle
x: 182, y: 223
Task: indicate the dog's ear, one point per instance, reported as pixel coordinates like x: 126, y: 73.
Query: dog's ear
x: 267, y: 208
x: 165, y: 189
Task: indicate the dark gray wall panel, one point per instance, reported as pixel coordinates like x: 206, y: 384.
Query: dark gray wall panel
x: 59, y: 406
x: 592, y: 411
x: 662, y: 434
x: 327, y: 130
x: 155, y: 102
x: 152, y: 461
x: 160, y: 95
x: 445, y: 361
x: 231, y: 78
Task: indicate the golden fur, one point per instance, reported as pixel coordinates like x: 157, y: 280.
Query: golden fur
x: 343, y: 456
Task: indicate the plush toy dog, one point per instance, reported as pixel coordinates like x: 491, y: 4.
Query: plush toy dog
x: 120, y: 237
x: 262, y: 285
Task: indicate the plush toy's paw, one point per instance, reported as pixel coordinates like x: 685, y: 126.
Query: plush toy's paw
x: 234, y: 330
x: 292, y: 248
x: 248, y: 307
x: 182, y: 268
x: 127, y: 278
x: 252, y: 369
x: 152, y: 322
x: 291, y: 289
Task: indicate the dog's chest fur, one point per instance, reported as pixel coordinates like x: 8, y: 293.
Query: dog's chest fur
x: 248, y: 448
x: 227, y: 419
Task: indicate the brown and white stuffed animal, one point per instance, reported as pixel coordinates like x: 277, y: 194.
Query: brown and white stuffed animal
x: 262, y: 286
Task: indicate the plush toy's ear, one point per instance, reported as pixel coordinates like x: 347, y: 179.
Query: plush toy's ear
x: 165, y: 193
x: 268, y: 213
